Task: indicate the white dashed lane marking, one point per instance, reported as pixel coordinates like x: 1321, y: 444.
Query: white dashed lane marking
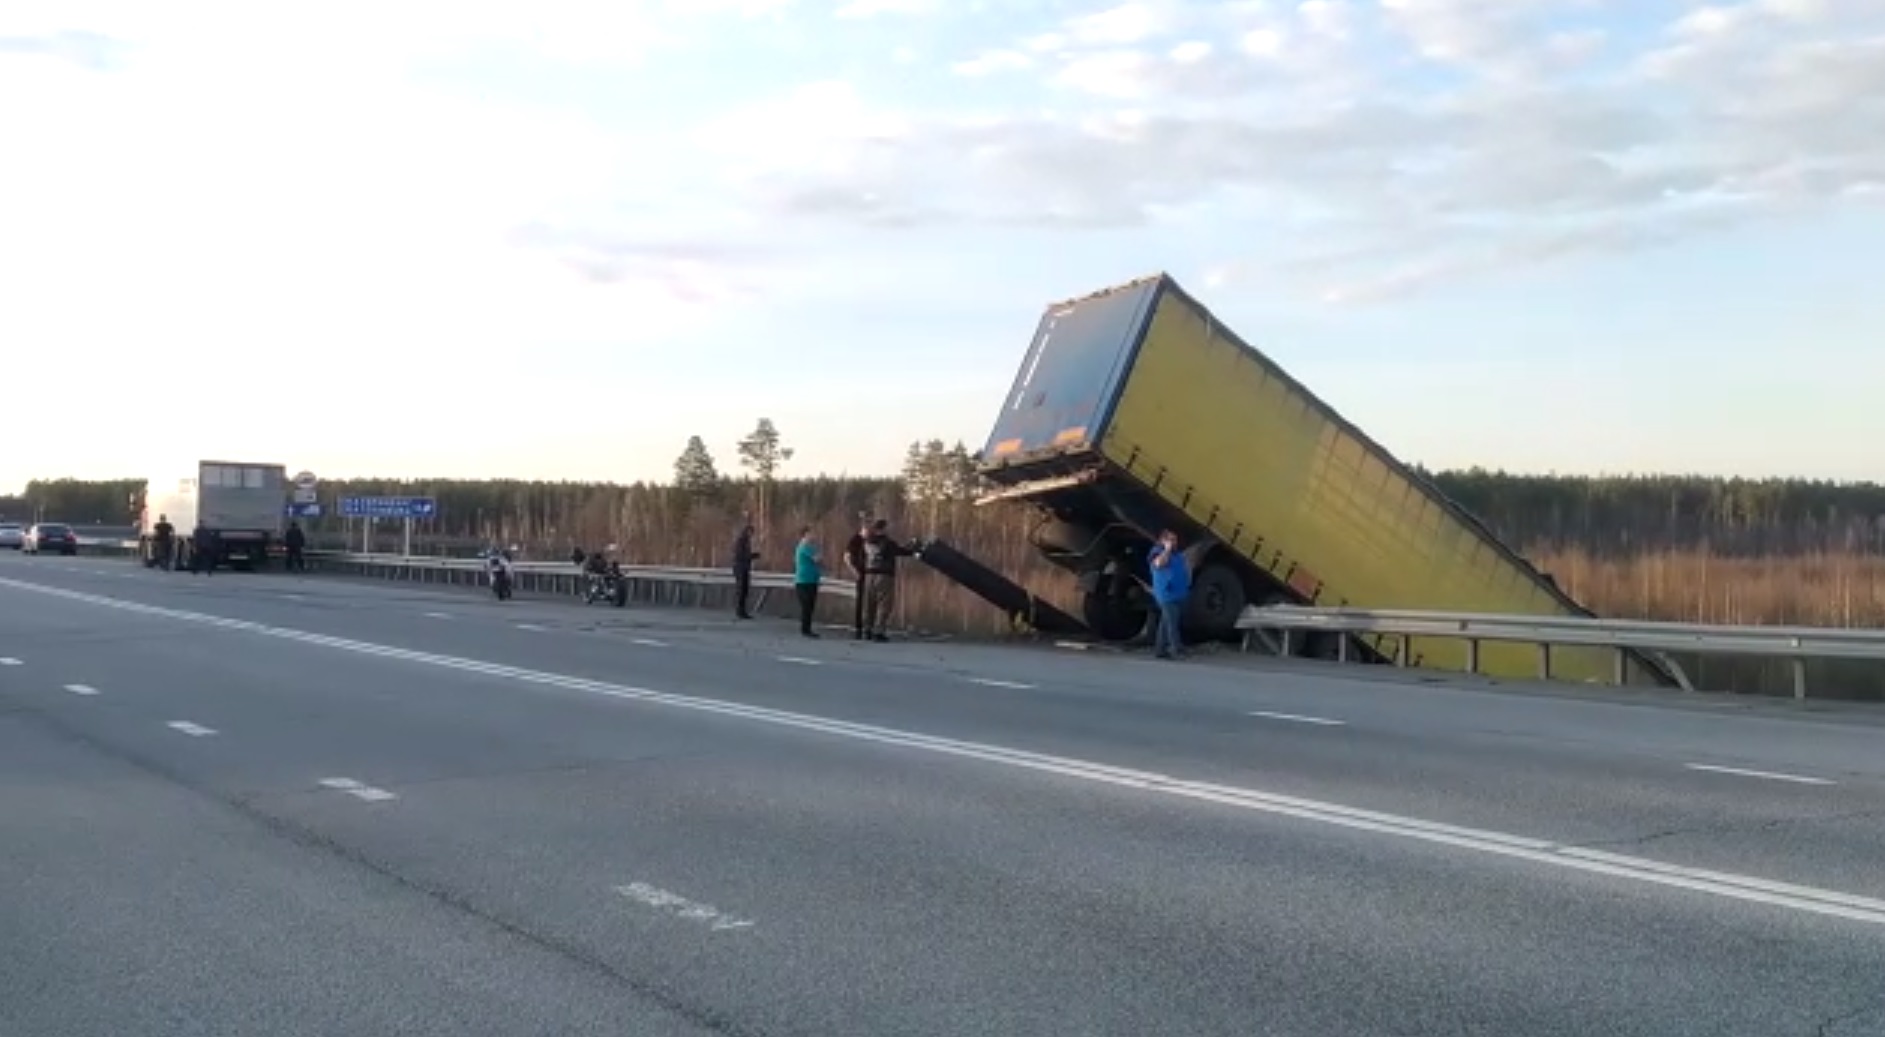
x: 10, y: 661
x: 648, y: 642
x: 681, y: 907
x: 530, y: 626
x: 994, y: 683
x: 193, y: 730
x: 438, y: 615
x: 798, y: 660
x: 1797, y: 779
x: 1295, y: 718
x: 81, y: 689
x: 357, y: 789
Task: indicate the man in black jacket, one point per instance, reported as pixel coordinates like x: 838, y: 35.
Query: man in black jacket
x: 297, y: 542
x: 880, y: 578
x: 854, y: 560
x: 203, y: 551
x: 163, y: 543
x: 743, y: 558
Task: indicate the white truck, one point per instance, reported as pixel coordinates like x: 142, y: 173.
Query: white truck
x: 242, y: 503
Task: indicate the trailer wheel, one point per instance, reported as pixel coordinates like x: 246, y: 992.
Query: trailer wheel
x: 1112, y: 616
x: 1217, y: 599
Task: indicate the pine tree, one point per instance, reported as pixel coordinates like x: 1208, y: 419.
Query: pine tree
x: 694, y: 471
x: 763, y: 453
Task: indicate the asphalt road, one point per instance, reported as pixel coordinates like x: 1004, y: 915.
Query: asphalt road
x: 291, y: 805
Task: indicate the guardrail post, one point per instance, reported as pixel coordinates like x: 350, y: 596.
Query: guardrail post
x: 1401, y: 650
x: 1623, y: 668
x: 1472, y: 655
x: 1341, y: 646
x: 1799, y: 677
x: 1544, y: 660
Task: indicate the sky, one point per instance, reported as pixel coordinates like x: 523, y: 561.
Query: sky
x: 553, y: 240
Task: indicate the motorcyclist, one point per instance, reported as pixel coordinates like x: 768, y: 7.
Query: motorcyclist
x: 498, y: 561
x: 596, y: 568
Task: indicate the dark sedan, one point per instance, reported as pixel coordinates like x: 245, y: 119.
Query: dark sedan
x: 51, y: 536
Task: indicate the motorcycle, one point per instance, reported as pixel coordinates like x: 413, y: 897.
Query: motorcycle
x: 501, y: 578
x: 610, y: 585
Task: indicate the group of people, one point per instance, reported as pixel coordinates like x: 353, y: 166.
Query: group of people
x: 871, y: 556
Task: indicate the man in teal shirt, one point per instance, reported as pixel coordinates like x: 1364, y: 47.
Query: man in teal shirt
x: 807, y: 572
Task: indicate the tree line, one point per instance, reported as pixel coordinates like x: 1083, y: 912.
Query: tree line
x: 1609, y: 516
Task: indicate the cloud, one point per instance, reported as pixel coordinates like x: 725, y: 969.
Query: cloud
x: 86, y: 49
x: 1413, y: 140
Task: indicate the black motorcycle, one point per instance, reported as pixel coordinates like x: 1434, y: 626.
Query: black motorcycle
x: 610, y: 585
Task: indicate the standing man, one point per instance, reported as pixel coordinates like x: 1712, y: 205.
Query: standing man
x: 203, y: 550
x: 807, y: 571
x: 297, y: 542
x: 880, y: 578
x: 743, y: 558
x: 164, y: 543
x: 1171, y: 585
x: 854, y: 560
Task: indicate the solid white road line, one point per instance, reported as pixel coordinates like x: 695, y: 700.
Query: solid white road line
x: 1797, y: 779
x: 1297, y: 719
x: 681, y: 907
x: 193, y: 730
x: 1729, y: 885
x: 993, y: 683
x: 798, y: 660
x: 81, y: 689
x: 357, y: 789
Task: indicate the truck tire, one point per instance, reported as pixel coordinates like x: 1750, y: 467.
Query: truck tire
x: 1217, y: 599
x: 1112, y: 617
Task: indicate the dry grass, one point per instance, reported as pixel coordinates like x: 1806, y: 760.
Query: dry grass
x: 1820, y: 589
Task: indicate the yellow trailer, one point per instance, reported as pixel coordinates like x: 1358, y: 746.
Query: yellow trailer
x: 1136, y: 410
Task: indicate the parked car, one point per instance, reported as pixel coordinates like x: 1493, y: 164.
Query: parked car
x: 12, y: 535
x: 51, y: 536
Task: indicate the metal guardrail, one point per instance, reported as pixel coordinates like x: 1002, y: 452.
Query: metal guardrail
x: 561, y: 577
x: 1794, y: 644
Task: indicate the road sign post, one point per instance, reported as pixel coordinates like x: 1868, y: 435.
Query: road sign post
x: 306, y: 488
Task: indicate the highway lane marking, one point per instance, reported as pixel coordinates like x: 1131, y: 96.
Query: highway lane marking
x: 648, y: 642
x: 1729, y: 885
x: 1798, y: 779
x: 10, y: 661
x: 1295, y: 718
x: 81, y: 689
x: 798, y: 660
x: 358, y: 790
x: 530, y: 626
x: 994, y: 683
x: 681, y: 907
x: 437, y: 615
x: 193, y: 730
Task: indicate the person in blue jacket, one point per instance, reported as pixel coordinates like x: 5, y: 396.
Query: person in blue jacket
x: 1171, y: 585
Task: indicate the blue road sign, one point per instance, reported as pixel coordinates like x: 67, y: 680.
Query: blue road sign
x: 389, y: 507
x: 304, y: 511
